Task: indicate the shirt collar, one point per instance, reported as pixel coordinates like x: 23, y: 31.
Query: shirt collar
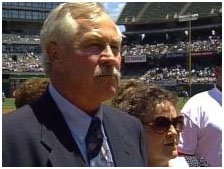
x: 77, y: 120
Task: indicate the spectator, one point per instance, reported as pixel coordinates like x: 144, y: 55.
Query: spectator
x: 68, y: 125
x: 3, y: 97
x: 154, y: 106
x: 184, y: 94
x: 203, y: 125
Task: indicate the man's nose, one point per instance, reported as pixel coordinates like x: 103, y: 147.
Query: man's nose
x: 108, y: 57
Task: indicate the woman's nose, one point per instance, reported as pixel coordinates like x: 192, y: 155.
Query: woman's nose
x: 172, y: 130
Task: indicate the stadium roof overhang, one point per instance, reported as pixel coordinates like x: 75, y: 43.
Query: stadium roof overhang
x: 172, y: 29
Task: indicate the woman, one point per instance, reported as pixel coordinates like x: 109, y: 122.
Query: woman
x: 155, y: 108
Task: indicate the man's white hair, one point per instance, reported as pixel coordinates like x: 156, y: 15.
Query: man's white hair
x: 61, y: 25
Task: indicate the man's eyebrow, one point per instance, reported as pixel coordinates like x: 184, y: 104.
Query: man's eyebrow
x: 92, y: 36
x: 115, y: 41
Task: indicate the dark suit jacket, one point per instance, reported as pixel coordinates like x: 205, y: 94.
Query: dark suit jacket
x: 37, y: 135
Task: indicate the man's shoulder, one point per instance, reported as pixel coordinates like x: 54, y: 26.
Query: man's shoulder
x: 197, y: 100
x: 118, y: 115
x: 199, y: 95
x: 117, y: 120
x: 205, y: 97
x: 22, y: 113
x: 198, y: 106
x: 22, y: 118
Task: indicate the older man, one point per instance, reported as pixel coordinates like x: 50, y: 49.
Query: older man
x: 68, y: 126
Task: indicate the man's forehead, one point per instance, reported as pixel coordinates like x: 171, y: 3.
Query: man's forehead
x: 98, y: 30
x: 97, y: 24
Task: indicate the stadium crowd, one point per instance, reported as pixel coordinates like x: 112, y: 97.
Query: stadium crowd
x: 213, y: 43
x: 178, y: 74
x: 20, y: 38
x: 28, y: 62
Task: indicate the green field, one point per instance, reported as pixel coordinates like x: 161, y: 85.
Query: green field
x: 9, y: 104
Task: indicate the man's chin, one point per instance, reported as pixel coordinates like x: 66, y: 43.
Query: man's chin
x: 108, y: 92
x: 111, y: 90
x: 107, y: 86
x: 113, y: 80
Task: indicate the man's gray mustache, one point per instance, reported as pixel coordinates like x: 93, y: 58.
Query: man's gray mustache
x: 107, y: 71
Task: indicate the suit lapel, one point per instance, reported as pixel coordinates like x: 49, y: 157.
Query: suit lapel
x: 62, y: 152
x: 116, y: 138
x: 55, y: 134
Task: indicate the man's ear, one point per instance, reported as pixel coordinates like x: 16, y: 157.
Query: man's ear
x: 53, y: 53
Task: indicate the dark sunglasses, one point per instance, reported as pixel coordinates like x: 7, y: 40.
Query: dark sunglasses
x: 162, y: 124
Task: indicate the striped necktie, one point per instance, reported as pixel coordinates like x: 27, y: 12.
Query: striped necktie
x: 94, y: 139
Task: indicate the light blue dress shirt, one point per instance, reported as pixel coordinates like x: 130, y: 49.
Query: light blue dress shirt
x: 78, y: 123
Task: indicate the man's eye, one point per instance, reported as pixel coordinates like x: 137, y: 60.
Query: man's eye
x: 93, y: 48
x: 115, y: 49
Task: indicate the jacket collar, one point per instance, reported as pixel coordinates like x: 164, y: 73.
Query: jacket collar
x: 55, y: 134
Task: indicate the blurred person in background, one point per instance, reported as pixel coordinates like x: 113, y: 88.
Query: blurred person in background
x: 203, y: 113
x: 3, y: 97
x: 155, y: 107
x: 68, y: 125
x: 30, y: 91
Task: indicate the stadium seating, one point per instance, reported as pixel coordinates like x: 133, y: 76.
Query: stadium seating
x: 204, y: 9
x: 213, y: 44
x: 13, y: 43
x: 21, y: 62
x: 20, y: 39
x: 130, y: 11
x: 161, y: 11
x: 179, y: 75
